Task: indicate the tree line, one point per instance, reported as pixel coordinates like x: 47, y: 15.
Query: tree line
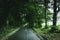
x: 34, y: 12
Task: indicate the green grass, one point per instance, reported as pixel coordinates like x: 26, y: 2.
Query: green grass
x: 7, y: 31
x: 40, y: 31
x: 47, y: 34
x: 58, y: 27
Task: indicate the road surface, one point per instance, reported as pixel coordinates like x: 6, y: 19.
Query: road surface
x: 25, y: 34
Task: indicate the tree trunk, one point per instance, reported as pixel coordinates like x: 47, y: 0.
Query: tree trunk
x: 45, y: 13
x: 55, y: 14
x: 53, y: 29
x: 39, y: 23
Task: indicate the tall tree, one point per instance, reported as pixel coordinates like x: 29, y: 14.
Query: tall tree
x: 55, y: 14
x: 53, y: 29
x: 45, y: 3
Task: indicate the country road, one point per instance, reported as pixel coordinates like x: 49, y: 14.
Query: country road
x: 25, y: 34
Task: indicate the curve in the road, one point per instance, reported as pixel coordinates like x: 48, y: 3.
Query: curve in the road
x: 24, y: 34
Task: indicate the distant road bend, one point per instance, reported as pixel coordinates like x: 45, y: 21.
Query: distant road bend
x: 25, y: 34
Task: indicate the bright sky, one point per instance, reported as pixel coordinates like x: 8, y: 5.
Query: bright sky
x: 58, y: 17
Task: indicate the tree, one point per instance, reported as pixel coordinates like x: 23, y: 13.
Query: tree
x: 54, y: 16
x: 45, y: 12
x: 55, y: 13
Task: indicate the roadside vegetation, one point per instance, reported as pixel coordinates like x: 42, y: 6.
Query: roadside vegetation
x: 6, y: 32
x: 17, y: 13
x: 46, y: 33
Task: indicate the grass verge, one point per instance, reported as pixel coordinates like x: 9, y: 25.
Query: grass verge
x: 8, y: 32
x: 46, y: 34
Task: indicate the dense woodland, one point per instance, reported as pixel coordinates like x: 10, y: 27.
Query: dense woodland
x: 31, y: 13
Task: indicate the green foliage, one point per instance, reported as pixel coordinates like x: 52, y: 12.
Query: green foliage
x: 47, y: 34
x: 26, y: 11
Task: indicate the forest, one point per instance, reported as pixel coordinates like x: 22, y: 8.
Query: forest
x: 41, y: 16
